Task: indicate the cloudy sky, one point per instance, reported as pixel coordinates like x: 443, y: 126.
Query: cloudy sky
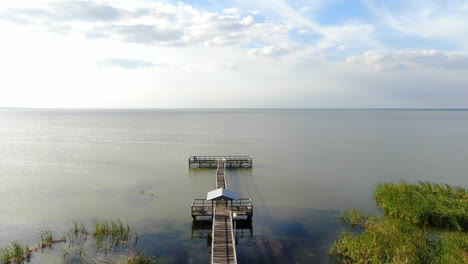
x: 234, y: 53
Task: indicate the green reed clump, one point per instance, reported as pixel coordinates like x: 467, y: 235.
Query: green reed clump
x: 425, y: 203
x: 354, y: 217
x: 454, y: 248
x: 13, y: 253
x: 391, y: 240
x: 4, y: 255
x: 133, y: 258
x: 46, y: 237
x: 107, y: 234
x: 113, y: 229
x: 16, y: 252
x: 78, y: 229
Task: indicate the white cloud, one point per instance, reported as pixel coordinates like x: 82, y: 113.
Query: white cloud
x: 138, y: 53
x: 155, y: 23
x: 391, y: 60
x: 232, y: 10
x: 343, y: 47
x: 272, y: 50
x: 126, y: 63
x: 428, y: 18
x: 357, y: 33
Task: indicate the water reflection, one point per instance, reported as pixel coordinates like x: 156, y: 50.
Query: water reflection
x: 201, y: 229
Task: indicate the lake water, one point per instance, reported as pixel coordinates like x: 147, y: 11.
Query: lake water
x: 62, y: 165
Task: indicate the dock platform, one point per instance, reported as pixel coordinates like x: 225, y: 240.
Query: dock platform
x: 212, y: 161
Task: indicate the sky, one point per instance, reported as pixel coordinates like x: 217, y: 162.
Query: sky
x: 234, y: 54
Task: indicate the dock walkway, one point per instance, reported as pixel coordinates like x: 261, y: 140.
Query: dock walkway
x: 223, y: 245
x: 223, y: 249
x: 221, y: 175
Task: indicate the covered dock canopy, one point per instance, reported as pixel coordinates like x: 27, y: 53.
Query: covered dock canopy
x: 222, y: 194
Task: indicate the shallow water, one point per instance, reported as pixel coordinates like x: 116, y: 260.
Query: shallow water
x: 62, y: 165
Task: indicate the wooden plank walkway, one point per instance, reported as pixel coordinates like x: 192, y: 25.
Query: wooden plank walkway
x: 221, y: 175
x: 223, y: 246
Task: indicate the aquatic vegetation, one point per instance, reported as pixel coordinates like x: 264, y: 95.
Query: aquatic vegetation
x: 391, y: 240
x: 83, y: 230
x: 5, y: 254
x: 454, y: 247
x: 75, y: 229
x: 133, y: 258
x: 106, y: 234
x: 425, y: 203
x: 46, y: 237
x: 27, y: 251
x: 354, y: 217
x: 16, y: 251
x: 114, y: 229
x: 13, y: 253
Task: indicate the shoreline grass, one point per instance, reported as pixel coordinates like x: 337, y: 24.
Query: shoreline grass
x: 392, y: 240
x: 425, y: 203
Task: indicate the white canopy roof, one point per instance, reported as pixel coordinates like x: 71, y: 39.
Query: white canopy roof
x: 222, y: 194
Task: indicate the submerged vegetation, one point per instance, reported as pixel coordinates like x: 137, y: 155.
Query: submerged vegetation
x: 133, y: 258
x: 425, y: 203
x: 106, y: 235
x: 401, y: 235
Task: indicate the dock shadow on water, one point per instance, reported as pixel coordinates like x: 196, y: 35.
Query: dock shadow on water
x: 293, y: 235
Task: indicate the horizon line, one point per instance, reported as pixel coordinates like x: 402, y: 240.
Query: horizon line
x: 233, y: 108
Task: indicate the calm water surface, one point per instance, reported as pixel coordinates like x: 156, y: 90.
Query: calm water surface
x: 63, y: 165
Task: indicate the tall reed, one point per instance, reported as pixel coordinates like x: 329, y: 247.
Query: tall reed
x: 392, y: 240
x: 425, y: 203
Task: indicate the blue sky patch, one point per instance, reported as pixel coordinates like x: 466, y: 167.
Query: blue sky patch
x: 338, y: 11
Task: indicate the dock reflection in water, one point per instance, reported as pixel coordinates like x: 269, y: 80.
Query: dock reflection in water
x: 202, y: 228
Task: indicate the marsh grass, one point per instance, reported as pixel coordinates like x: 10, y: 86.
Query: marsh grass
x: 392, y: 240
x: 425, y: 203
x: 13, y: 253
x: 46, y: 237
x: 133, y: 258
x: 107, y: 234
x: 355, y: 218
x: 113, y: 231
x: 16, y: 252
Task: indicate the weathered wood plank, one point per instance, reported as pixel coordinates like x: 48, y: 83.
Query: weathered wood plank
x: 223, y: 248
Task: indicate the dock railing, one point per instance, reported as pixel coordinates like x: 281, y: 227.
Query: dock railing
x: 212, y: 161
x: 233, y: 237
x: 221, y: 175
x: 228, y: 158
x: 203, y: 207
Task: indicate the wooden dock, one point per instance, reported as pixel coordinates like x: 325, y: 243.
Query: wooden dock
x: 212, y: 161
x: 222, y: 207
x: 223, y: 246
x: 221, y: 175
x: 203, y: 207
